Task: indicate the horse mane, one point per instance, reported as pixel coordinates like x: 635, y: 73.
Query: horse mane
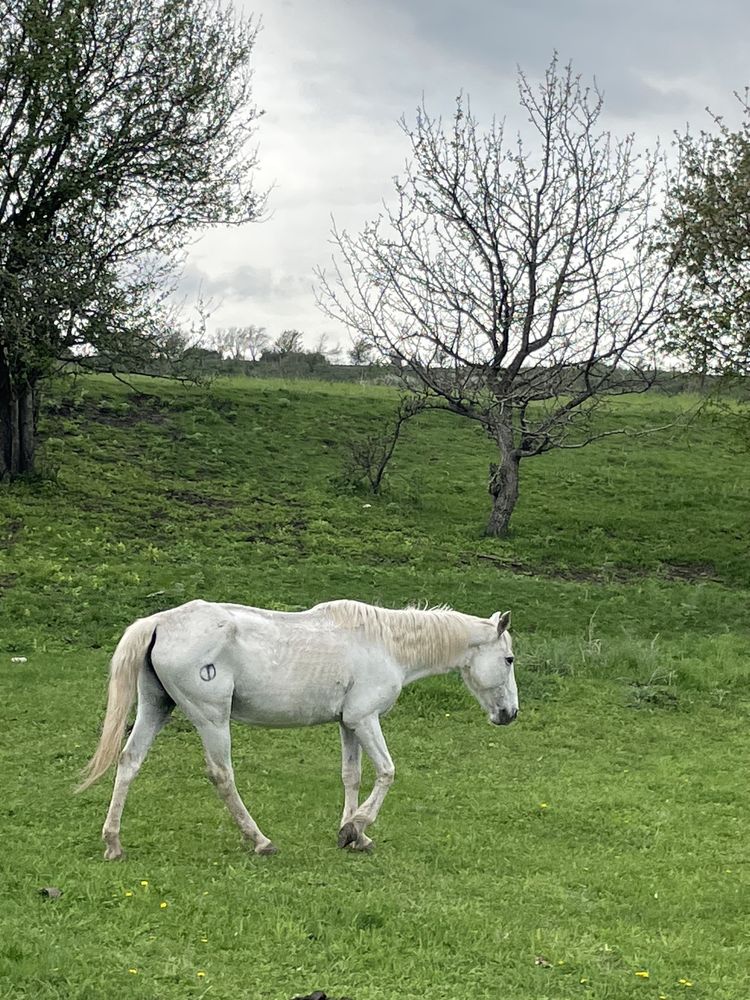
x: 414, y: 636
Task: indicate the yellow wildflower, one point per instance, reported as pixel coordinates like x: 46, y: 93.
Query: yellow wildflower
x: 163, y: 905
x: 134, y: 971
x: 128, y: 893
x: 685, y: 982
x: 144, y: 881
x: 543, y: 805
x: 643, y: 974
x: 200, y: 975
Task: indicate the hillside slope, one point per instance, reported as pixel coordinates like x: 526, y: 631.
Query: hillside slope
x: 232, y: 493
x: 596, y: 847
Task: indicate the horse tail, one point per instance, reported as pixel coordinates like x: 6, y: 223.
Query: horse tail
x: 128, y: 659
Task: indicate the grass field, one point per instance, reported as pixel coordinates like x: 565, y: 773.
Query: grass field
x: 597, y: 848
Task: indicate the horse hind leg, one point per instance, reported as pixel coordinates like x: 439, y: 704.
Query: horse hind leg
x: 217, y: 745
x: 154, y: 710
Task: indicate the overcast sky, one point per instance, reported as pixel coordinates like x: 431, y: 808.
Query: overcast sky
x: 334, y: 77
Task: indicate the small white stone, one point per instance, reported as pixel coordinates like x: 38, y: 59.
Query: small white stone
x: 366, y: 505
x: 18, y: 659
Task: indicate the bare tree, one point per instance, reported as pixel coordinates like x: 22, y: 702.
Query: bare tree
x: 241, y: 342
x: 368, y: 455
x: 328, y: 348
x: 515, y: 290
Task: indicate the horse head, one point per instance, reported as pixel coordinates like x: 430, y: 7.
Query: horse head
x: 488, y: 671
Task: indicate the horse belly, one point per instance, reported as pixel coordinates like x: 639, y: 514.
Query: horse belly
x: 282, y: 701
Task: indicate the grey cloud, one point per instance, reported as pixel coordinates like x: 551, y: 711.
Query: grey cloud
x: 634, y: 96
x: 241, y: 283
x: 385, y: 55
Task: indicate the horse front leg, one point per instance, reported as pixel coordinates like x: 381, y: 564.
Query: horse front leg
x: 371, y: 739
x: 351, y: 773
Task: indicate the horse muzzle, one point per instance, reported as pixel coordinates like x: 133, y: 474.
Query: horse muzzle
x: 503, y: 717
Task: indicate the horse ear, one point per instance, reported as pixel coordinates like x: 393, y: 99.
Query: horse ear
x: 502, y: 621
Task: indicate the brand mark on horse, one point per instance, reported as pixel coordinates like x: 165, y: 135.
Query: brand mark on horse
x: 208, y: 672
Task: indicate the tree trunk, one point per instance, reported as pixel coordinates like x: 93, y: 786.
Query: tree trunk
x: 26, y: 430
x: 7, y: 432
x: 17, y: 425
x: 704, y: 368
x: 503, y: 484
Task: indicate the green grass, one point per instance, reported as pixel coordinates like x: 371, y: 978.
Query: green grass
x: 604, y: 833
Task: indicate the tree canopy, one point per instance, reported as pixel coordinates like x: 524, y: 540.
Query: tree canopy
x: 708, y: 223
x: 124, y: 127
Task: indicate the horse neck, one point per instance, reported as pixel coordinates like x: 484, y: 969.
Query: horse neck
x: 422, y: 643
x: 455, y: 656
x: 416, y: 672
x: 437, y: 663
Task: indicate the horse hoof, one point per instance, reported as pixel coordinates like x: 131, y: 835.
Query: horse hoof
x: 268, y: 848
x: 114, y: 854
x: 365, y: 846
x: 348, y: 834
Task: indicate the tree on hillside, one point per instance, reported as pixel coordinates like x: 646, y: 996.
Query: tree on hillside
x: 240, y: 342
x: 361, y: 351
x: 327, y: 348
x: 124, y: 127
x: 368, y: 455
x: 708, y: 224
x: 512, y: 288
x: 288, y: 342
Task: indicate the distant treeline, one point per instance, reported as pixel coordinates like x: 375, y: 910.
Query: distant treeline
x: 201, y: 362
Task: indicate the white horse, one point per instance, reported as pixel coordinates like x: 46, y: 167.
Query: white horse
x: 342, y: 661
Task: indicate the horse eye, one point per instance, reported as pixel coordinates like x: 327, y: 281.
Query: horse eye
x: 509, y: 660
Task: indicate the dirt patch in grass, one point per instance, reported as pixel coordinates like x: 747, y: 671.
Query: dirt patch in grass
x: 685, y: 572
x: 199, y: 500
x: 691, y: 572
x: 10, y: 532
x: 143, y: 408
